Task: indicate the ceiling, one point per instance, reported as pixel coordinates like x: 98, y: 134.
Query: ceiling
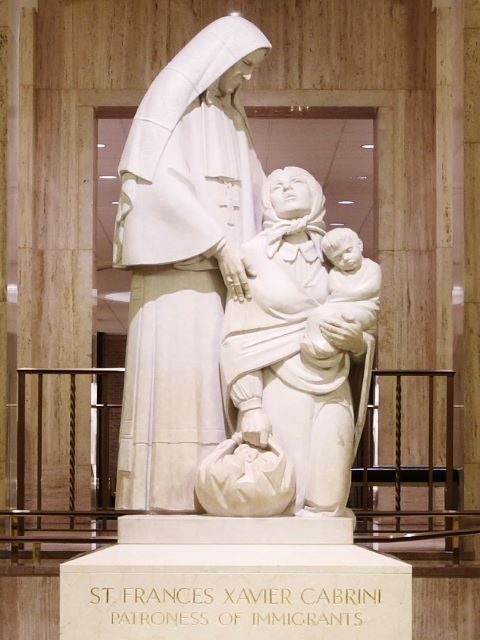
x: 330, y: 149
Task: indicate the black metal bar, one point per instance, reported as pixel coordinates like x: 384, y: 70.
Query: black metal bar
x: 21, y: 442
x: 105, y: 370
x: 117, y: 513
x: 104, y: 443
x: 39, y: 444
x: 381, y: 537
x: 79, y: 371
x: 14, y: 547
x: 398, y: 448
x: 413, y: 372
x: 21, y: 436
x: 430, y: 448
x: 366, y: 462
x: 449, y: 494
x: 72, y: 454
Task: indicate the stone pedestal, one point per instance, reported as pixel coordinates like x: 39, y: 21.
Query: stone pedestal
x: 199, y: 577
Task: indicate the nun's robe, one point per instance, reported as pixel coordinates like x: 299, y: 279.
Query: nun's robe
x: 174, y: 211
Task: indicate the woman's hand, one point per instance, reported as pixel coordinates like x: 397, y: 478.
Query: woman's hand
x: 345, y: 335
x: 235, y: 272
x: 255, y: 427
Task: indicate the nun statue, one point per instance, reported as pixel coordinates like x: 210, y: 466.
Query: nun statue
x: 190, y: 183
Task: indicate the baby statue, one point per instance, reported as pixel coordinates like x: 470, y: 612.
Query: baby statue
x: 354, y: 289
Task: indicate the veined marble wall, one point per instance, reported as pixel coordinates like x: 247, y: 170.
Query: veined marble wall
x: 444, y: 608
x: 472, y: 256
x: 4, y: 38
x: 90, y: 53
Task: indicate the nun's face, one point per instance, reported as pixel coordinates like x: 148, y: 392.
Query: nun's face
x: 290, y: 195
x: 241, y: 71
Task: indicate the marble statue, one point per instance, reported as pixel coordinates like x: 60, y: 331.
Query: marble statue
x: 297, y: 357
x: 190, y: 185
x: 354, y: 290
x: 238, y: 479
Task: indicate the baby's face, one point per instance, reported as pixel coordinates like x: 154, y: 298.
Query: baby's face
x: 348, y: 257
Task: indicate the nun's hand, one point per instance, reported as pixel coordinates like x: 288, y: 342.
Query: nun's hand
x: 345, y: 334
x: 235, y: 272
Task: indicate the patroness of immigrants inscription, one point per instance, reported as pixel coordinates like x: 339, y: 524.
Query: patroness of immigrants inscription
x: 192, y: 606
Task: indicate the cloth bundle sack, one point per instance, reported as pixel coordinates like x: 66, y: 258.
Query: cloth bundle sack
x: 238, y: 479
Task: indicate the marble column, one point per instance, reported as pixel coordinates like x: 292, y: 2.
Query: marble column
x: 55, y: 264
x: 472, y: 257
x: 4, y: 40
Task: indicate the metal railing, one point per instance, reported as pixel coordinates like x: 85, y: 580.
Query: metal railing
x: 401, y: 474
x: 21, y: 436
x: 26, y: 522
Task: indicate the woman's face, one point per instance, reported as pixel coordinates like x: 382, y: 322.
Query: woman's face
x: 241, y: 71
x: 290, y: 196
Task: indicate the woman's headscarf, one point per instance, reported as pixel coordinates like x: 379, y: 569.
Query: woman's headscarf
x: 312, y: 223
x: 197, y: 66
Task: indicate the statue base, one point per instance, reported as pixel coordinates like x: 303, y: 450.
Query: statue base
x: 201, y: 577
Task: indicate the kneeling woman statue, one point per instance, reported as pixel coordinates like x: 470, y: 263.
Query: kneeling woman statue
x: 276, y: 378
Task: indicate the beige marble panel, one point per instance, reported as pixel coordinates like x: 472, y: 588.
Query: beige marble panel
x: 413, y: 170
x: 444, y: 344
x: 385, y: 203
x: 471, y: 500
x: 406, y: 340
x: 471, y: 336
x: 27, y: 45
x: 472, y: 382
x: 57, y: 303
x: 283, y: 68
x: 4, y: 39
x: 444, y: 128
x: 318, y: 44
x: 472, y: 85
x: 444, y: 44
x: 417, y: 145
x: 363, y: 45
x: 410, y: 299
x: 26, y: 166
x: 54, y: 69
x: 56, y: 221
x: 86, y: 171
x: 400, y: 167
x: 29, y: 607
x: 26, y: 129
x: 126, y: 47
x: 387, y: 318
x: 444, y: 308
x: 458, y: 18
x: 316, y: 97
x: 472, y: 13
x: 471, y: 484
x: 129, y: 98
x: 444, y: 180
x: 443, y: 608
x: 472, y: 222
